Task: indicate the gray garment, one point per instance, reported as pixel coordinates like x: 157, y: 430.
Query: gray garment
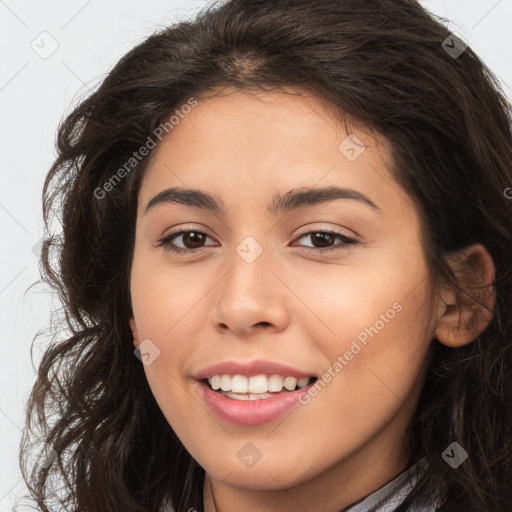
x: 399, y: 488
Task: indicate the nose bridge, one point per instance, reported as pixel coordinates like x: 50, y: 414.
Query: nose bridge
x: 249, y: 274
x: 249, y: 292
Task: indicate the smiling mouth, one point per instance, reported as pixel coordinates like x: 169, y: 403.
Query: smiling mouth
x: 257, y: 392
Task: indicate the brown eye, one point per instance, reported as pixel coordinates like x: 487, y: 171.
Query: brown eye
x: 191, y: 239
x: 322, y: 241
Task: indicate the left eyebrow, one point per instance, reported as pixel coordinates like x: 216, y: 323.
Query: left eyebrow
x: 291, y: 200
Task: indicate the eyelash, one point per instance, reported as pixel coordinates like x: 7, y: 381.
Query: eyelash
x: 167, y: 240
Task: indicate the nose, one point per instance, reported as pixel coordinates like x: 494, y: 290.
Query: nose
x: 250, y: 297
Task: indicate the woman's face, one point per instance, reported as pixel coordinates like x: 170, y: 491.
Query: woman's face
x: 256, y: 289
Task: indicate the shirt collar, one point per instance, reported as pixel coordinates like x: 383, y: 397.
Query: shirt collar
x: 397, y: 489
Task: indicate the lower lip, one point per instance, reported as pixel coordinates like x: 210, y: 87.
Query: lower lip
x: 251, y: 412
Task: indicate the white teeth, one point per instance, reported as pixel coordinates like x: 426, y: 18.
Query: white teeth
x: 247, y: 396
x: 225, y: 383
x: 239, y: 384
x: 290, y: 383
x: 215, y: 382
x: 257, y: 384
x: 303, y: 382
x: 275, y: 383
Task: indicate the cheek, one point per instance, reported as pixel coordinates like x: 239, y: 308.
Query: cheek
x: 167, y: 306
x: 365, y: 303
x: 162, y: 297
x: 373, y: 328
x: 372, y: 372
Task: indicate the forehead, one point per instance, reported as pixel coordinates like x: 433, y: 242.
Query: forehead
x: 261, y: 122
x: 266, y: 141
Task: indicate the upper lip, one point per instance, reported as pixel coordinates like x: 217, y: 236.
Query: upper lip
x: 250, y: 368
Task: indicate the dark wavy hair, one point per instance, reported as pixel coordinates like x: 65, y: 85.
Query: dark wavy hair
x: 380, y: 63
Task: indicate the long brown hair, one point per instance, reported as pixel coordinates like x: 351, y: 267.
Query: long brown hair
x: 381, y: 63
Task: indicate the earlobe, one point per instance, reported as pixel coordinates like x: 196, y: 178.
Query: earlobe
x: 135, y: 333
x: 474, y: 269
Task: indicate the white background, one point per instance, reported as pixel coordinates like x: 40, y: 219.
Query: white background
x: 35, y: 93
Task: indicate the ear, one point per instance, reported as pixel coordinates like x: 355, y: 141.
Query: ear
x: 135, y: 333
x: 474, y: 269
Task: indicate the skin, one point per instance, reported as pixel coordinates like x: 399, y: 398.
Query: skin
x: 205, y: 308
